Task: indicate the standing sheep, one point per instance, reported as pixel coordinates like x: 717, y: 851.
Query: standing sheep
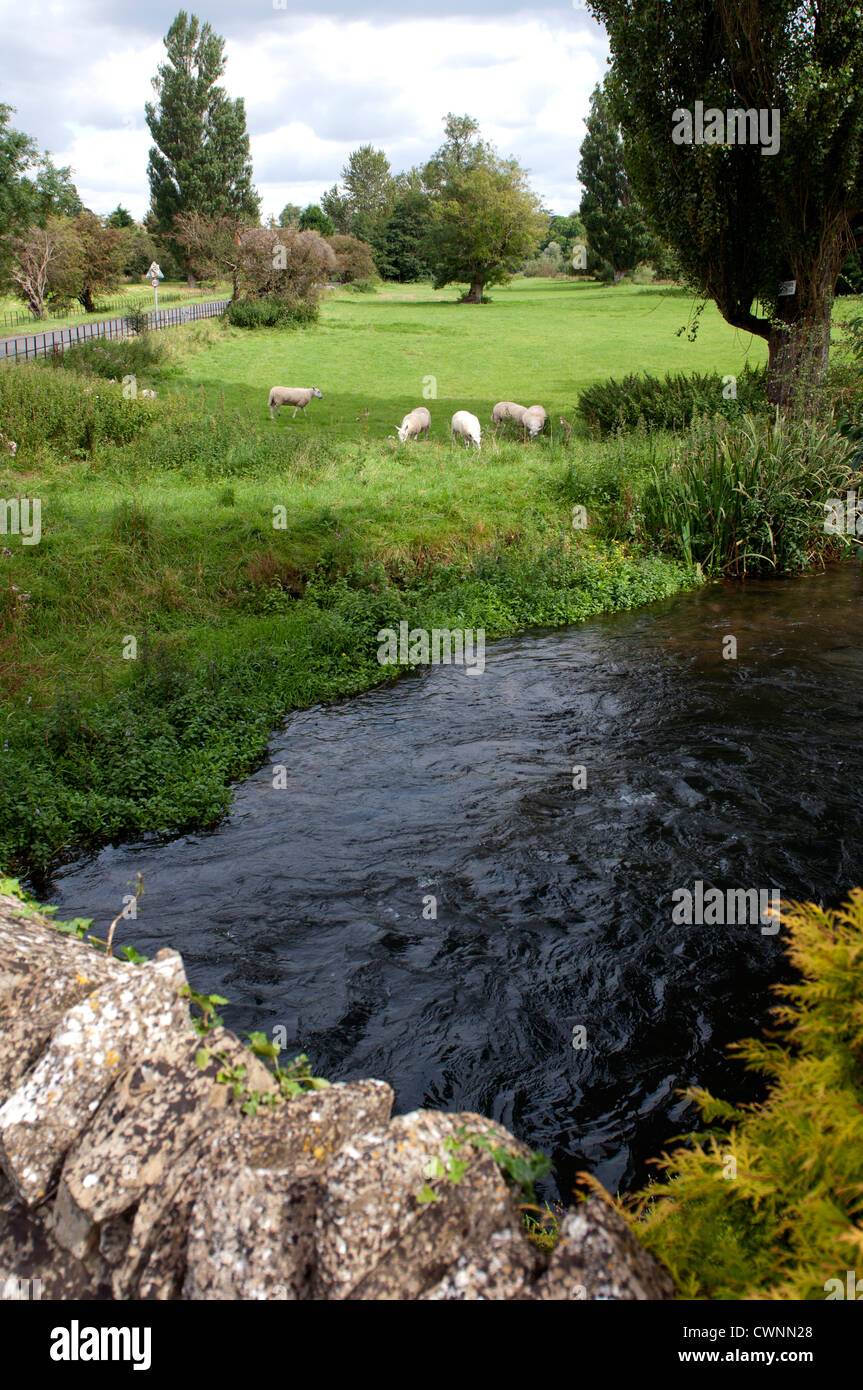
x: 507, y: 410
x: 467, y: 427
x: 534, y: 419
x: 297, y: 396
x: 415, y: 423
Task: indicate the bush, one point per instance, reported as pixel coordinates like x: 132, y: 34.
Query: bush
x: 750, y: 498
x: 270, y: 313
x: 784, y: 1219
x: 115, y: 357
x: 46, y: 405
x: 354, y: 260
x: 671, y: 402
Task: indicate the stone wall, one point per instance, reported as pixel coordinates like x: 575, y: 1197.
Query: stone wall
x: 128, y: 1171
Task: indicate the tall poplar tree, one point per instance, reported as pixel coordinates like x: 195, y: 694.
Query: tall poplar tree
x: 200, y: 160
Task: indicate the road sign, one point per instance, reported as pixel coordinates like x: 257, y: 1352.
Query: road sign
x: 154, y: 282
x: 154, y: 271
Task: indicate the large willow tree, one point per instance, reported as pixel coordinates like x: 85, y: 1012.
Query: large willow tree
x: 746, y: 224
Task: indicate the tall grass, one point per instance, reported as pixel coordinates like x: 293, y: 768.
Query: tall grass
x: 750, y: 498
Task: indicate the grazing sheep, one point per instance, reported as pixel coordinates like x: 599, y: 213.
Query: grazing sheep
x: 297, y: 396
x: 415, y: 423
x: 466, y: 427
x: 507, y: 410
x: 534, y: 419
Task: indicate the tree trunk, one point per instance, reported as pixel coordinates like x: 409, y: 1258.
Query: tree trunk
x: 799, y: 339
x: 86, y: 298
x: 474, y: 294
x: 191, y: 282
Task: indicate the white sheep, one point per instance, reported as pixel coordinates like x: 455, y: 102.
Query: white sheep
x: 534, y: 419
x: 467, y: 427
x: 415, y: 423
x: 507, y: 410
x: 148, y: 395
x: 297, y: 396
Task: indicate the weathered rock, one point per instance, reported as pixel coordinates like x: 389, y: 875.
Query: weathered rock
x: 28, y: 1252
x: 505, y: 1268
x: 42, y: 975
x: 598, y: 1257
x: 135, y: 1016
x: 151, y: 1115
x: 253, y: 1237
x: 375, y: 1240
x: 297, y: 1138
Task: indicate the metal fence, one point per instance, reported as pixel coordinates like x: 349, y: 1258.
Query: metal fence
x: 28, y: 345
x: 124, y: 305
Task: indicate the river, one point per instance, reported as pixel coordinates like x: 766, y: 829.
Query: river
x: 552, y: 989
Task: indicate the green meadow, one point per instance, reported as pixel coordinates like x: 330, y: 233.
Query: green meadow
x: 537, y: 341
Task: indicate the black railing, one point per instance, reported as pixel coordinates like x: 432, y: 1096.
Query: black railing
x: 27, y: 345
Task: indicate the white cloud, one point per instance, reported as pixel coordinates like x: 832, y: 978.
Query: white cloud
x: 315, y: 87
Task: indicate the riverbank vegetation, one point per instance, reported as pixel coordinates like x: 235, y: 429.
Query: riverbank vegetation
x: 767, y: 1200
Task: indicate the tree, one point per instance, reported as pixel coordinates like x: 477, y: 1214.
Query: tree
x: 33, y: 254
x: 120, y: 217
x: 353, y: 259
x: 260, y: 261
x: 486, y: 220
x: 314, y: 219
x: 26, y: 201
x: 743, y: 123
x: 290, y: 215
x: 369, y: 191
x: 200, y: 160
x: 90, y: 261
x: 405, y: 235
x: 337, y: 209
x: 612, y: 218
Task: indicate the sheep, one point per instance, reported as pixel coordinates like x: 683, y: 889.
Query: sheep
x: 415, y: 423
x: 534, y: 419
x: 148, y: 395
x: 297, y: 396
x: 467, y: 427
x: 507, y: 410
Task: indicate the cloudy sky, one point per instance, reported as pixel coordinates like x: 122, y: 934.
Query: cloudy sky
x: 317, y: 81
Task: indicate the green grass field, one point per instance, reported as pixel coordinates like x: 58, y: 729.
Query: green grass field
x: 538, y: 341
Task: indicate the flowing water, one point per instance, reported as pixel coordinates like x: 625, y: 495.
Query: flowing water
x: 310, y: 906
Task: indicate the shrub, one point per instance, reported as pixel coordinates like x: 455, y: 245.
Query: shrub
x: 768, y: 1203
x: 749, y: 498
x: 270, y: 313
x: 115, y: 357
x: 354, y: 259
x: 671, y: 402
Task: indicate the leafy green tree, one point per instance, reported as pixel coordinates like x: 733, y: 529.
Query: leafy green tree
x: 368, y: 188
x: 120, y: 217
x: 91, y: 262
x: 405, y: 237
x: 314, y: 219
x: 290, y: 215
x: 338, y: 209
x: 486, y: 219
x: 612, y: 218
x: 776, y: 207
x: 27, y: 201
x: 200, y: 159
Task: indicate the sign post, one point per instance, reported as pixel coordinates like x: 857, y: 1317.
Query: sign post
x: 155, y: 275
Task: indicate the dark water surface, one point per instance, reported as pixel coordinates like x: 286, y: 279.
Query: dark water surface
x: 553, y: 905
